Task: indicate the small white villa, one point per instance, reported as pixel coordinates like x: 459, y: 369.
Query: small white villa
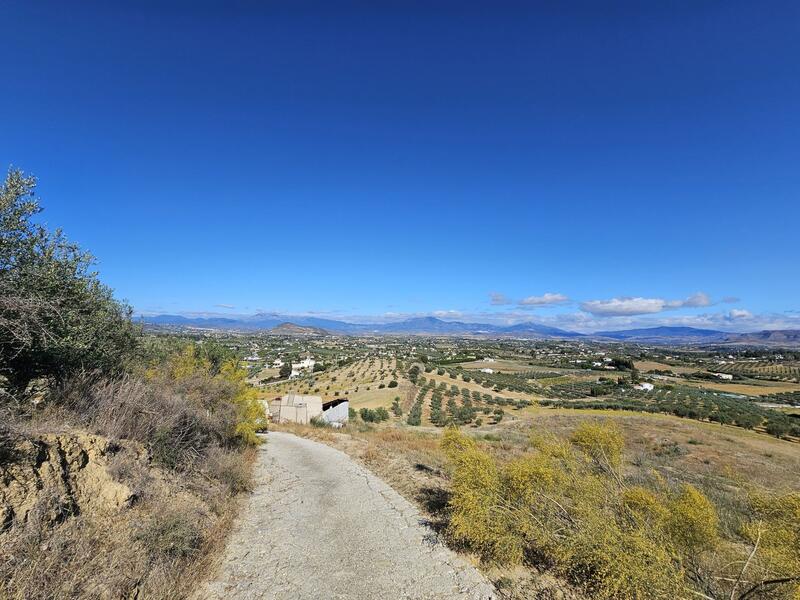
x: 307, y: 364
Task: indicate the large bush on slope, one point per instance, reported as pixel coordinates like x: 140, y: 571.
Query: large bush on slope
x: 56, y: 317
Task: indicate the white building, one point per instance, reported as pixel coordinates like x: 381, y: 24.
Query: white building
x: 307, y: 364
x: 726, y: 376
x: 647, y: 387
x: 297, y: 408
x: 490, y: 371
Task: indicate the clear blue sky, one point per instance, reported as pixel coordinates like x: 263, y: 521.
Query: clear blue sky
x: 392, y: 157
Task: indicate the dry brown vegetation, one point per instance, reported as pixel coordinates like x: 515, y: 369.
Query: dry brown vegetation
x: 735, y: 478
x: 124, y: 488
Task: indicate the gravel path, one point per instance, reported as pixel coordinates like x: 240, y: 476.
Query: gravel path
x: 320, y: 526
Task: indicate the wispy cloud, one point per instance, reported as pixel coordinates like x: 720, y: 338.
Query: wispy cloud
x: 629, y: 306
x: 738, y: 314
x: 695, y: 300
x: 498, y: 299
x: 444, y: 314
x: 228, y: 306
x: 547, y: 299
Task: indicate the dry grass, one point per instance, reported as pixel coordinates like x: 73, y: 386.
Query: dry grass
x: 159, y: 548
x: 692, y: 449
x: 173, y: 447
x: 360, y: 382
x: 723, y: 461
x: 748, y: 389
x: 650, y: 365
x: 503, y: 366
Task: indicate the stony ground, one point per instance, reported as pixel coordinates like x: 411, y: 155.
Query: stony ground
x: 320, y: 526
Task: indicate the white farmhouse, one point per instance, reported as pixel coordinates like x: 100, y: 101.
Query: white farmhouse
x: 307, y: 364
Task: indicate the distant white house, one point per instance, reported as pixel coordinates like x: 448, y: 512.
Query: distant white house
x: 490, y: 371
x: 488, y: 359
x: 252, y: 358
x: 277, y: 363
x: 647, y: 387
x: 307, y: 364
x: 726, y: 376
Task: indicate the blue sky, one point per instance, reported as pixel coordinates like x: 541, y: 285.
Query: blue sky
x: 615, y: 164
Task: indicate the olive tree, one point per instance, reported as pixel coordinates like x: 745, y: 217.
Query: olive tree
x: 56, y: 317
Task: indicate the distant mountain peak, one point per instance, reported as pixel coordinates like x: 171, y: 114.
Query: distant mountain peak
x: 287, y: 328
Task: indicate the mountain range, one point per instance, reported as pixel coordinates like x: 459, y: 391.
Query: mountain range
x: 309, y: 325
x: 416, y: 325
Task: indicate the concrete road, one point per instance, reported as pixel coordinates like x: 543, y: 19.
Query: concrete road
x: 320, y: 526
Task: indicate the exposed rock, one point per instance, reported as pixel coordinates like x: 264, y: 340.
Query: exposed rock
x: 62, y: 475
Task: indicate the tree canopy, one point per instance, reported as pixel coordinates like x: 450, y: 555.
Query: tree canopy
x: 56, y: 317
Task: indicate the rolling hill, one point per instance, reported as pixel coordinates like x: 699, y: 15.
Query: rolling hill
x: 293, y: 329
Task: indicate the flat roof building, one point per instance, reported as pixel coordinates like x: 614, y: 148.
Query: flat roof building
x: 299, y: 408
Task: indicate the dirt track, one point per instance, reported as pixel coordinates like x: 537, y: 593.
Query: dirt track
x: 320, y: 526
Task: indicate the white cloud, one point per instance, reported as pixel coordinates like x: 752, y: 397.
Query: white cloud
x: 698, y: 299
x: 617, y: 307
x: 447, y: 313
x: 547, y: 299
x: 228, y: 306
x: 498, y: 299
x: 737, y: 313
x: 629, y: 306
